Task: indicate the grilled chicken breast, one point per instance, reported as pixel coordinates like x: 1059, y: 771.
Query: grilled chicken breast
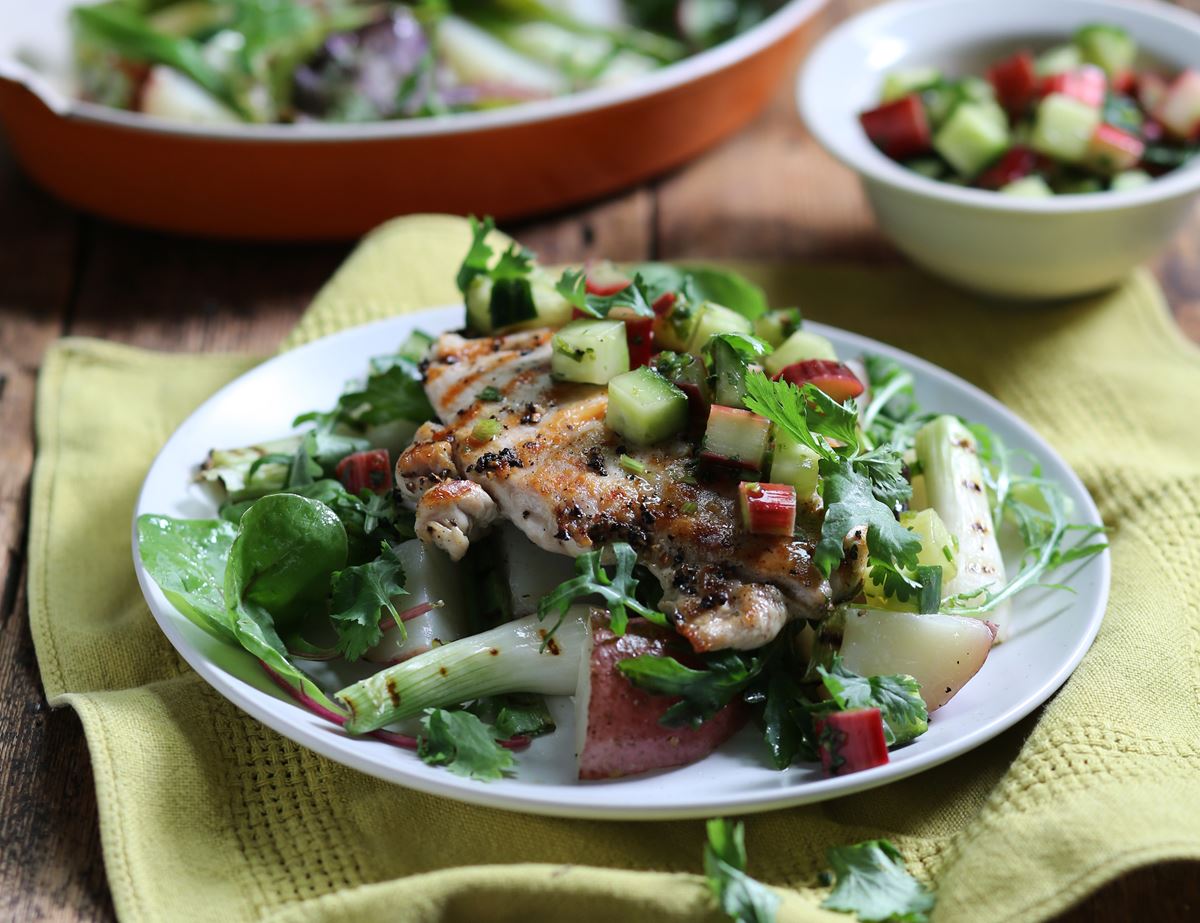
x: 554, y: 472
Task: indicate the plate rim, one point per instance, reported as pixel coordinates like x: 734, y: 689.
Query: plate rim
x: 319, y: 736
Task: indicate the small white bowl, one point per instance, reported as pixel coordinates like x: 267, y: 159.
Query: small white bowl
x: 997, y: 244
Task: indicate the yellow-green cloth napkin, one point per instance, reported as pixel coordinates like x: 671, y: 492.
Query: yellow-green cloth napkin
x: 207, y: 815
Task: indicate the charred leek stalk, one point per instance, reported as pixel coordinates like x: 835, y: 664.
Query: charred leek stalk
x: 509, y: 658
x: 957, y: 491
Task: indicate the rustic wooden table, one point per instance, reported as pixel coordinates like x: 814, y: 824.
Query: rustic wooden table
x: 769, y: 193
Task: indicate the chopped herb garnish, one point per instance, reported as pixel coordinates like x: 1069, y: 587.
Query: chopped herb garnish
x: 486, y: 429
x: 632, y: 465
x: 490, y: 393
x: 619, y: 591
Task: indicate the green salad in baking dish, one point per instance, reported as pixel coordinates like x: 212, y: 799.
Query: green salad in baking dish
x: 231, y: 61
x: 642, y: 487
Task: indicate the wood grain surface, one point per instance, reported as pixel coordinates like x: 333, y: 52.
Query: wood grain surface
x: 768, y: 193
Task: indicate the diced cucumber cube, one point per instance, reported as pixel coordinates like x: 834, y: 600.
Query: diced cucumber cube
x: 729, y: 369
x: 1028, y: 187
x: 714, y: 319
x: 801, y: 345
x: 975, y: 90
x: 644, y: 408
x: 1062, y: 128
x: 416, y: 346
x: 553, y: 310
x: 900, y: 83
x: 796, y: 464
x: 590, y: 351
x: 674, y: 329
x: 512, y: 304
x: 972, y: 137
x: 1130, y: 179
x: 1106, y: 46
x: 737, y: 438
x: 1058, y: 60
x: 479, y: 304
x: 776, y: 326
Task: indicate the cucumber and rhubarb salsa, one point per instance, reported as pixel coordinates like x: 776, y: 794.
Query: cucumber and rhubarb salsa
x: 1078, y: 117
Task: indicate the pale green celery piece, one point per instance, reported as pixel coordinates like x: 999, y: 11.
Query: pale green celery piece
x: 972, y: 137
x: 513, y: 657
x: 955, y: 489
x: 1063, y: 127
x: 899, y: 83
x: 1028, y: 187
x: 801, y: 345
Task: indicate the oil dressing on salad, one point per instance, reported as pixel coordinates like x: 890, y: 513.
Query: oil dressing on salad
x: 231, y: 61
x: 643, y: 488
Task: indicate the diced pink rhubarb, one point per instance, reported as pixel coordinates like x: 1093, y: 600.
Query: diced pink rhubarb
x: 767, y: 509
x: 900, y: 129
x: 1112, y: 150
x: 1179, y: 110
x: 834, y: 378
x: 1087, y: 84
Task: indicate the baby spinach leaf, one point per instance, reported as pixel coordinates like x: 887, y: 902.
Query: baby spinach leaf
x: 186, y: 558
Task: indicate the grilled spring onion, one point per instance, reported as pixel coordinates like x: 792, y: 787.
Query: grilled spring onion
x: 509, y: 658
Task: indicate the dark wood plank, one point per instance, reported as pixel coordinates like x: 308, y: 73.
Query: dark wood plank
x: 50, y: 865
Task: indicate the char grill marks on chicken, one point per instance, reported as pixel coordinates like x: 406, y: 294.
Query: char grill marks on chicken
x: 554, y: 471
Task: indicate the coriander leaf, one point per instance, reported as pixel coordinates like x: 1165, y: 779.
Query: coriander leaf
x: 396, y: 394
x: 742, y: 898
x: 359, y: 596
x: 702, y: 692
x: 807, y: 414
x: 850, y: 503
x: 516, y: 262
x: 515, y: 715
x: 618, y: 591
x: 786, y: 723
x: 872, y: 882
x: 885, y: 469
x: 463, y: 744
x: 572, y: 285
x: 889, y: 415
x: 898, y: 698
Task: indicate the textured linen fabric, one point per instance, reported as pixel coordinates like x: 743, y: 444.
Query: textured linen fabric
x: 207, y: 815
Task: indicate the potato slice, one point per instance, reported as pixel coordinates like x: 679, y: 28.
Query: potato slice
x: 941, y: 652
x: 617, y: 723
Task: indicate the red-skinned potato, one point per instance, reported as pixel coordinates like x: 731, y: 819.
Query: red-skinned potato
x: 617, y: 723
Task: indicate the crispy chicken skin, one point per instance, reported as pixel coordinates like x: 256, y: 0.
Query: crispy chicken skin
x: 554, y: 472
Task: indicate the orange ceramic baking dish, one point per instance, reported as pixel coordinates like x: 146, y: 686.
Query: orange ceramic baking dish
x: 332, y: 181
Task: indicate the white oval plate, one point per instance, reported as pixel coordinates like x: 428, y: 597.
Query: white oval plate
x: 1051, y: 631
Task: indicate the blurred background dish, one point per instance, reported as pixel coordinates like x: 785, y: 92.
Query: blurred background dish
x: 1007, y: 245
x: 219, y: 174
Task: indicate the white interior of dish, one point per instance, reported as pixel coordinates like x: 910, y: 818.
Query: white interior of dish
x: 1051, y: 631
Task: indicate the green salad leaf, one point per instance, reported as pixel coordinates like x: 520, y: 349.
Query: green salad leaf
x: 279, y: 569
x: 742, y: 898
x: 360, y: 595
x: 704, y: 283
x: 186, y: 558
x: 872, y: 883
x: 462, y: 743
